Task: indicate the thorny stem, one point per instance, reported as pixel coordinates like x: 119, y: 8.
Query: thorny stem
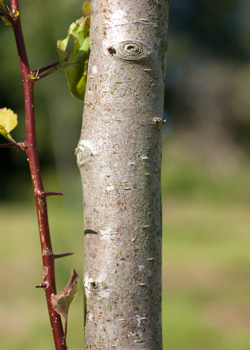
x: 41, y: 204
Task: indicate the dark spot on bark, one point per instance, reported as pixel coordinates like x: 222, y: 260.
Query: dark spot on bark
x: 88, y: 231
x: 93, y: 285
x: 111, y: 50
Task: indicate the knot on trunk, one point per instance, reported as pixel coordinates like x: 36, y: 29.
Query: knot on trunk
x: 85, y: 152
x: 132, y: 50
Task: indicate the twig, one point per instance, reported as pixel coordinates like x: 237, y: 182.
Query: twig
x: 40, y: 197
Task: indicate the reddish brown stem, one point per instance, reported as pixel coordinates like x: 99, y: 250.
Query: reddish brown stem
x: 41, y: 205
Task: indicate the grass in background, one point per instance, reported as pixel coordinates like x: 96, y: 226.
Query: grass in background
x: 24, y: 322
x: 206, y: 226
x: 206, y: 284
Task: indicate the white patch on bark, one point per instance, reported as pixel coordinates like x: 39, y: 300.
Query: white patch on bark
x: 140, y: 319
x: 103, y: 293
x: 131, y: 334
x: 87, y: 144
x: 117, y: 17
x: 131, y: 163
x: 107, y: 232
x: 110, y: 188
x: 94, y: 70
x: 87, y: 285
x: 90, y: 316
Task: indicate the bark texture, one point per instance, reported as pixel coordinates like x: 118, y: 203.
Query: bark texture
x: 119, y: 156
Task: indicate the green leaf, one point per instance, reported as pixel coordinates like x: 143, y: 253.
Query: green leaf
x: 8, y: 121
x: 5, y: 21
x: 73, y: 52
x: 5, y: 12
x: 2, y: 5
x: 86, y: 7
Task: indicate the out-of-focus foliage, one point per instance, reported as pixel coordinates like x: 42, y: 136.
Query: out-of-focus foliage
x: 44, y: 22
x: 208, y: 74
x: 207, y: 78
x: 219, y: 29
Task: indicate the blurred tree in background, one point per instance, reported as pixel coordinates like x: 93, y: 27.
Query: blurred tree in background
x: 208, y: 74
x: 56, y: 113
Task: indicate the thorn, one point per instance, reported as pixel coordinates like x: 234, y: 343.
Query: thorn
x: 19, y: 145
x: 42, y: 285
x: 49, y: 193
x: 57, y: 256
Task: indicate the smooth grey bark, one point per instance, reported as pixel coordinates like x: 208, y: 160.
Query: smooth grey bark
x: 119, y: 157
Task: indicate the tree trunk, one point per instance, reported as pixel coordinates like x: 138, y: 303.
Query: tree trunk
x: 119, y: 156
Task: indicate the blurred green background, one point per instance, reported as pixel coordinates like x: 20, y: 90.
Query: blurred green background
x: 205, y: 179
